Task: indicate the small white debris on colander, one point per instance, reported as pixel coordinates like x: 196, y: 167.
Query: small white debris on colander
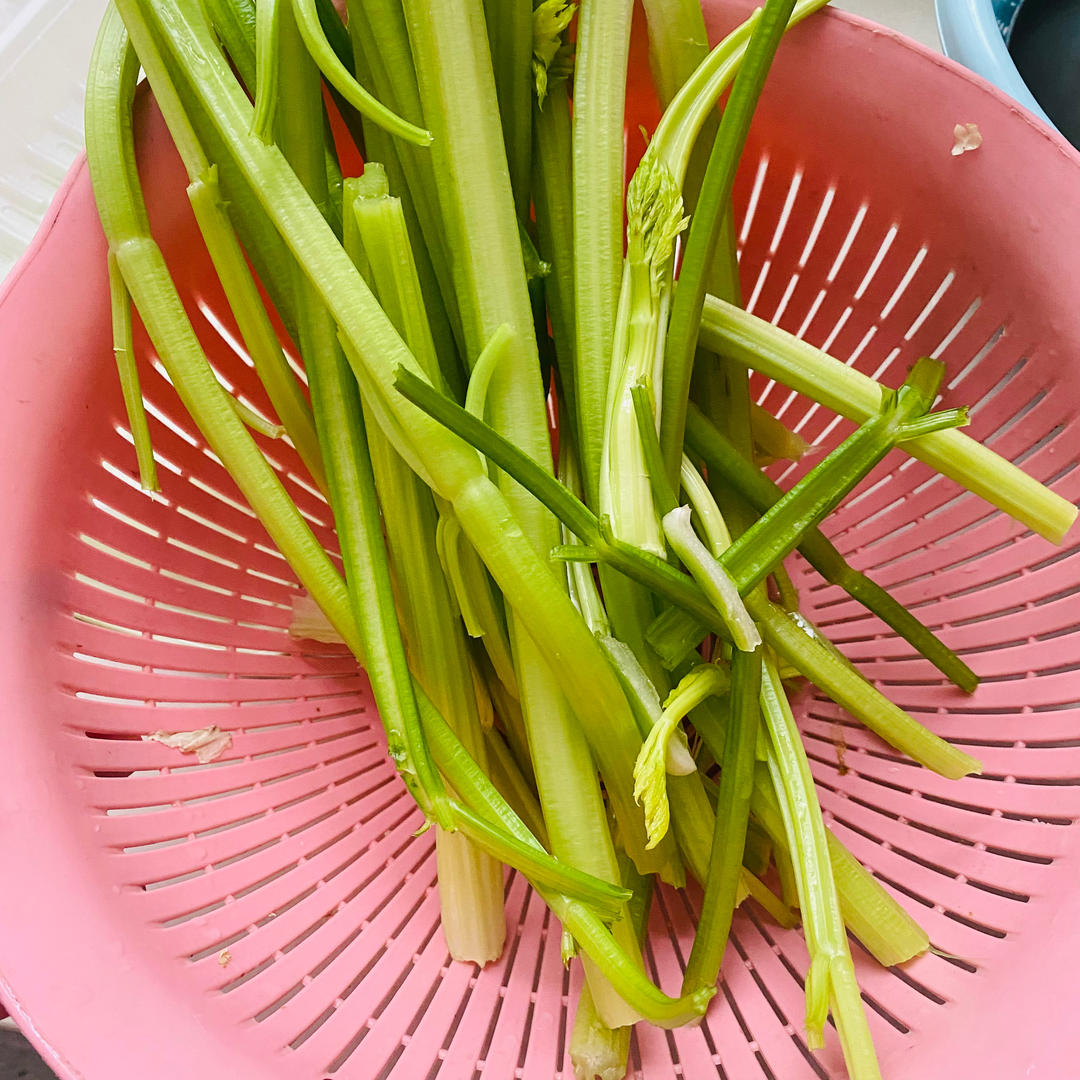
x: 224, y: 957
x: 207, y: 744
x: 309, y: 623
x: 966, y: 137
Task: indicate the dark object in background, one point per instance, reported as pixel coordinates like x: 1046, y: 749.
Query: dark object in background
x: 19, y: 1060
x: 1045, y: 46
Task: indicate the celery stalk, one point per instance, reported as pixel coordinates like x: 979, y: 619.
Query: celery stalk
x: 552, y: 202
x: 758, y: 344
x: 128, y: 372
x: 813, y: 659
x: 603, y: 44
x: 510, y: 39
x: 114, y: 71
x: 830, y: 981
x: 281, y: 384
x: 721, y: 455
x: 469, y: 881
x: 307, y: 21
x: 890, y: 934
x: 457, y: 88
x: 729, y: 830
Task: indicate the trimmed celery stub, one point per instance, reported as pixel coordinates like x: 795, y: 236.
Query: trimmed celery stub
x: 830, y: 982
x: 757, y: 344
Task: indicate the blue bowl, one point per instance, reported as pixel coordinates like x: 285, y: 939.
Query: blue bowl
x: 976, y: 33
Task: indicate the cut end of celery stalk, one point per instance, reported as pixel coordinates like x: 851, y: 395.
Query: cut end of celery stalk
x: 597, y: 1052
x: 470, y: 897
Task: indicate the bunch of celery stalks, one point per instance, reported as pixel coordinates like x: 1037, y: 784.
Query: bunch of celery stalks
x: 537, y: 626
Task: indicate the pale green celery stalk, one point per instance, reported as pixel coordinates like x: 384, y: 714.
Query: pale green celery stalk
x: 383, y: 253
x: 513, y: 785
x: 890, y: 934
x: 830, y: 981
x: 580, y: 580
x: 469, y: 881
x: 632, y: 609
x: 508, y: 709
x: 880, y: 923
x: 280, y: 382
x: 128, y: 372
x: 552, y: 202
x: 817, y: 662
x: 457, y: 90
x: 677, y: 43
x: 339, y: 419
x: 258, y: 423
x: 852, y: 692
x: 788, y: 593
x: 654, y: 211
x: 711, y: 212
x: 757, y: 344
x: 386, y: 58
x: 603, y: 43
x: 236, y: 24
x: 558, y: 153
x: 714, y: 580
x: 711, y: 520
x: 732, y: 814
x: 376, y: 353
x: 491, y: 356
x: 510, y: 41
x: 110, y: 153
x: 726, y: 876
x: 773, y: 439
x: 267, y: 26
x: 382, y: 148
x: 598, y: 1052
x: 307, y: 20
x: 481, y: 610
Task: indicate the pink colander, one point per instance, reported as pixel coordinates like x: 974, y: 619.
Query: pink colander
x: 270, y: 914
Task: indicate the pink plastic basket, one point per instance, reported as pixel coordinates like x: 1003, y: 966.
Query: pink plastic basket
x: 271, y: 914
